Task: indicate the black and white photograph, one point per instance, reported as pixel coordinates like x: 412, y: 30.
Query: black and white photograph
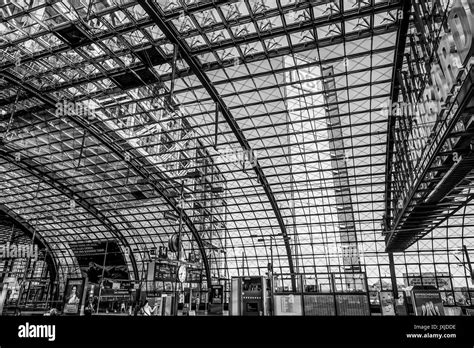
x: 73, y: 296
x: 237, y: 173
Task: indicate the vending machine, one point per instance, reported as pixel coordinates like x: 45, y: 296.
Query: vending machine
x: 249, y: 296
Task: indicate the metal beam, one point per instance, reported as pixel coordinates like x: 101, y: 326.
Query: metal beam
x: 208, y: 49
x: 173, y: 36
x: 228, y: 62
x: 465, y: 95
x: 219, y: 65
x: 140, y: 164
x: 64, y: 48
x: 391, y: 248
x: 395, y: 89
x: 295, y: 28
x: 44, y: 176
x: 106, y: 137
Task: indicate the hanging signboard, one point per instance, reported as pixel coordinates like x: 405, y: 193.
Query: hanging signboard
x: 454, y: 50
x: 93, y: 256
x: 441, y: 56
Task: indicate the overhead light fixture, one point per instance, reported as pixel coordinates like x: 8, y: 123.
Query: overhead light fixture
x: 171, y: 103
x: 142, y: 181
x: 73, y: 35
x: 49, y: 218
x: 139, y: 195
x: 193, y: 174
x: 217, y: 189
x: 172, y: 193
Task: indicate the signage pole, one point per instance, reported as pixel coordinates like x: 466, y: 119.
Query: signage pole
x: 102, y: 279
x: 393, y: 276
x: 469, y: 265
x: 270, y: 271
x: 180, y: 227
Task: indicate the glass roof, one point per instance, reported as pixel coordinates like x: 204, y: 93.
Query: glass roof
x: 103, y: 123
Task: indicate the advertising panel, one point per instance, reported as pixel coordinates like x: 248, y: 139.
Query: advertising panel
x: 116, y: 289
x: 453, y: 311
x: 91, y: 297
x: 73, y: 296
x: 401, y: 304
x: 164, y: 271
x: 387, y: 303
x: 427, y: 302
x: 3, y: 296
x: 288, y: 305
x: 440, y: 280
x: 352, y: 304
x: 217, y: 294
x: 216, y: 299
x: 92, y: 256
x: 319, y: 304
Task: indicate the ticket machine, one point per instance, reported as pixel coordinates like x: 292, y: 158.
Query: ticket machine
x: 249, y: 296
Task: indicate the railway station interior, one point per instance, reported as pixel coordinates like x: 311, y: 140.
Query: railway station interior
x: 236, y: 158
